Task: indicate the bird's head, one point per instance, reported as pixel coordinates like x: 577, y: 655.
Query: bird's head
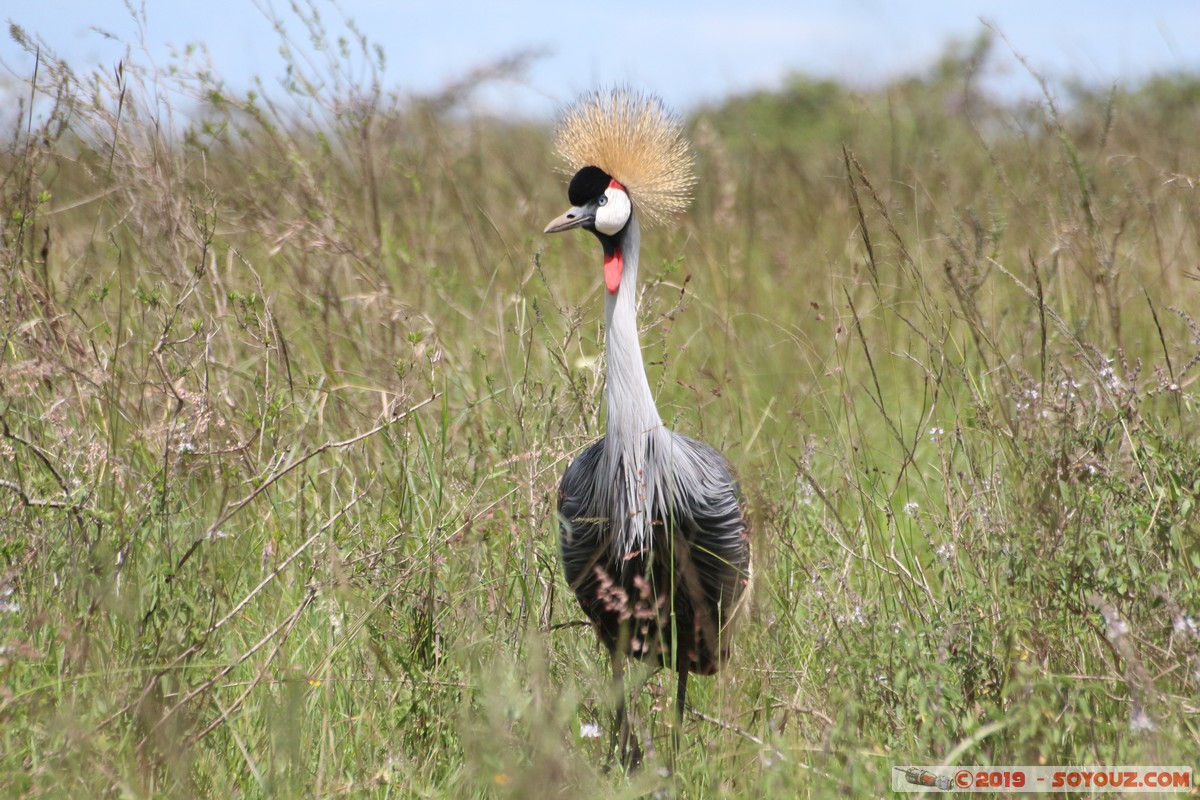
x: 601, y: 205
x: 625, y: 149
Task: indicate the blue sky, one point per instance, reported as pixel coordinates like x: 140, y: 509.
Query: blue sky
x: 688, y: 52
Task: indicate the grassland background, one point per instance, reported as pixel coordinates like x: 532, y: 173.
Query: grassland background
x: 287, y: 383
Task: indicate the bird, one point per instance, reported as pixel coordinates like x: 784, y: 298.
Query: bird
x: 653, y: 535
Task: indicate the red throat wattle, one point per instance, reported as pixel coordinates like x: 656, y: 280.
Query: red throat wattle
x: 613, y: 264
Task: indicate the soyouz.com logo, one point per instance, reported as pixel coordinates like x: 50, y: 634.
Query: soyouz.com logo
x: 1144, y: 780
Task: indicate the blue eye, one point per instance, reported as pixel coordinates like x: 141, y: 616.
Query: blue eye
x: 603, y: 200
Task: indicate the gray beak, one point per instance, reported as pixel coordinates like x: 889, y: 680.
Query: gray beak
x: 572, y: 218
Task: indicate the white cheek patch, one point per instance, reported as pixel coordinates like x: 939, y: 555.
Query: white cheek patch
x: 613, y: 215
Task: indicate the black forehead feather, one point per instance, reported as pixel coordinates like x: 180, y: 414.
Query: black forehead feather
x: 588, y: 184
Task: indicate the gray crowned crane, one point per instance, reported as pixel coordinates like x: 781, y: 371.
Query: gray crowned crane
x: 654, y: 541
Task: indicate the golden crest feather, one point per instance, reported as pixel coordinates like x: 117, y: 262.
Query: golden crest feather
x: 635, y: 139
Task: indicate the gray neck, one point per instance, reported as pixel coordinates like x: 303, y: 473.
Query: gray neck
x: 636, y: 443
x: 632, y: 414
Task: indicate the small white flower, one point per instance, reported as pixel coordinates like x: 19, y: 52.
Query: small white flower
x: 945, y: 552
x: 936, y: 433
x: 1140, y: 721
x: 1109, y: 377
x: 910, y: 508
x: 1117, y: 627
x: 1186, y: 624
x: 8, y: 606
x: 589, y: 730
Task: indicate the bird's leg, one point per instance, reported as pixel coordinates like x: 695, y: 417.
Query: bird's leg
x: 620, y: 727
x: 681, y: 694
x: 625, y: 741
x: 680, y: 705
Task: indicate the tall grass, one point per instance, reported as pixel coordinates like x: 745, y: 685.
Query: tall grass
x: 288, y: 383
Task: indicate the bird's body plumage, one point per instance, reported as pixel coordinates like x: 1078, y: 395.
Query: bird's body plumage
x: 668, y: 598
x: 654, y: 541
